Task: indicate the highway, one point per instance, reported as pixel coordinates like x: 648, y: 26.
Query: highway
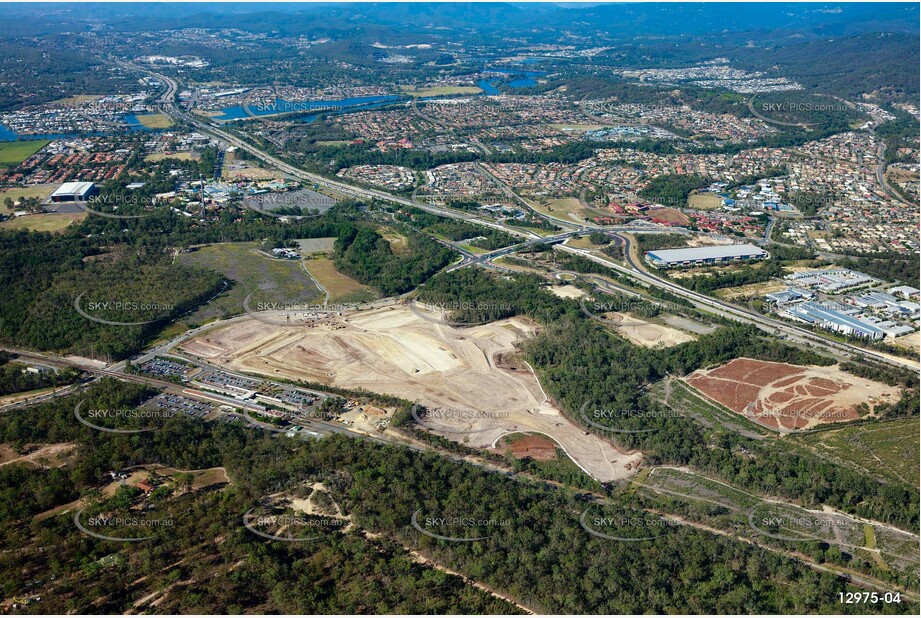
x: 570, y: 229
x: 881, y: 176
x: 637, y: 271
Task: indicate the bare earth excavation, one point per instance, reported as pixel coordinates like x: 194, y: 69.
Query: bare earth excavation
x: 457, y: 371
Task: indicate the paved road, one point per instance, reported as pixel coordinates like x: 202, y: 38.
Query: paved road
x: 767, y: 324
x: 637, y: 271
x: 881, y: 176
x: 168, y: 107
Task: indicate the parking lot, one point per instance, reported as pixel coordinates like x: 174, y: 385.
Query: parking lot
x: 165, y: 368
x: 184, y: 405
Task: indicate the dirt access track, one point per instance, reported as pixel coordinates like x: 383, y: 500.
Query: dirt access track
x: 397, y: 351
x: 787, y: 397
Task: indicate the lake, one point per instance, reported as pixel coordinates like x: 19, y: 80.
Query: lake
x: 281, y: 106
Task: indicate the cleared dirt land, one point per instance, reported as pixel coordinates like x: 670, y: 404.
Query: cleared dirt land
x: 155, y: 121
x: 536, y: 447
x: 566, y: 291
x: 454, y: 372
x: 912, y: 341
x: 647, y: 334
x: 705, y: 201
x: 37, y: 455
x: 182, y: 156
x: 237, y: 168
x: 567, y: 208
x: 669, y: 214
x: 787, y: 397
x: 751, y: 290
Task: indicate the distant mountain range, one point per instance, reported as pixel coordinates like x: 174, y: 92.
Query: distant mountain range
x: 622, y: 20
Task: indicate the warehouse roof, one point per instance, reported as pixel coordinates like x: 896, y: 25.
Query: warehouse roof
x: 73, y: 188
x: 817, y: 311
x: 704, y: 253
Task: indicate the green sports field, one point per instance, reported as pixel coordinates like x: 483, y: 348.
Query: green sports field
x: 14, y: 153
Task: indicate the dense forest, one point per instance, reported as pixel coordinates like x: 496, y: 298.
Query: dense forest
x: 579, y: 361
x: 651, y: 242
x: 673, y: 189
x: 362, y: 253
x: 454, y: 229
x: 810, y: 202
x: 895, y: 267
x: 52, y: 73
x: 539, y: 555
x: 846, y: 66
x: 902, y: 132
x: 332, y: 158
x: 44, y: 275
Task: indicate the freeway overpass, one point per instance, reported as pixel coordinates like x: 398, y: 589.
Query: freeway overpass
x: 340, y: 187
x: 637, y: 271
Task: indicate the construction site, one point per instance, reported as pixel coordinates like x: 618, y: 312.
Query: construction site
x: 463, y: 376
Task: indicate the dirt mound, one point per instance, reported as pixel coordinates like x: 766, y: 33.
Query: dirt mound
x: 538, y: 448
x: 646, y: 334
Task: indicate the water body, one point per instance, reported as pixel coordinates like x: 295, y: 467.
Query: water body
x: 132, y: 122
x: 238, y: 113
x: 6, y: 135
x: 523, y: 78
x: 358, y: 108
x: 527, y: 82
x: 135, y: 125
x: 487, y: 87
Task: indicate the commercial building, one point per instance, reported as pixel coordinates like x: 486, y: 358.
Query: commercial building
x: 905, y: 291
x: 893, y: 330
x: 698, y: 256
x: 789, y: 295
x: 74, y: 192
x: 831, y: 319
x: 832, y: 280
x: 885, y: 303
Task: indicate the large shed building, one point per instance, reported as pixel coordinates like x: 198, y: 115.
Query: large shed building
x: 699, y: 256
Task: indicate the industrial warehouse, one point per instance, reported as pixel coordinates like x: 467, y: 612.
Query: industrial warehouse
x: 830, y: 318
x: 698, y: 256
x: 75, y: 192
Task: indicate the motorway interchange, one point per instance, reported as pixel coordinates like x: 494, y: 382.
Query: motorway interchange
x: 636, y: 270
x: 633, y: 269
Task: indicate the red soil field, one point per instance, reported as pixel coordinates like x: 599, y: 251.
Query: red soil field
x: 536, y: 447
x: 787, y: 397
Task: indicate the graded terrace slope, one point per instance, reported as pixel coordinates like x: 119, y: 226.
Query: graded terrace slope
x: 397, y: 351
x: 788, y: 397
